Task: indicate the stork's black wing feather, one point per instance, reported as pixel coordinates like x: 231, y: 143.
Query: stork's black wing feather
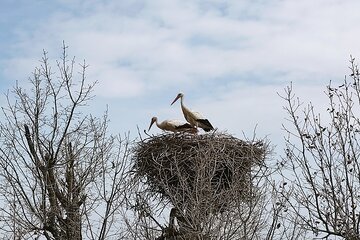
x: 184, y: 126
x: 206, y: 124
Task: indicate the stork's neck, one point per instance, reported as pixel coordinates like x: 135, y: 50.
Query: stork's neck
x: 159, y: 125
x: 184, y: 109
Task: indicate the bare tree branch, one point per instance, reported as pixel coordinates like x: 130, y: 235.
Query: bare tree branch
x: 322, y: 153
x: 59, y: 166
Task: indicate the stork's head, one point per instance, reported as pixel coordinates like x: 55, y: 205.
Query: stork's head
x: 180, y: 95
x: 154, y: 119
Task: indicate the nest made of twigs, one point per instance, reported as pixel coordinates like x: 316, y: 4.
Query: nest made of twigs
x: 180, y: 167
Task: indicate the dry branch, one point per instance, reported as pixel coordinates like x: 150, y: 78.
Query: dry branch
x: 198, y: 173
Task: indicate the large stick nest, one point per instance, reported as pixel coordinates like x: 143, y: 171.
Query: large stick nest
x: 181, y: 167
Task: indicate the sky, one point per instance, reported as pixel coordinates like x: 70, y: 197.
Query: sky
x: 229, y: 58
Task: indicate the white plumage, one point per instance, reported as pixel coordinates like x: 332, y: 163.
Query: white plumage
x: 173, y: 126
x: 194, y: 118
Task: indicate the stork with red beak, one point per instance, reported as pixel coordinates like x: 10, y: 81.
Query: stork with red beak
x: 194, y: 118
x: 173, y: 126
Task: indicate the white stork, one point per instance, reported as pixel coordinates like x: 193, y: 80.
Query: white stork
x: 173, y: 126
x: 194, y: 118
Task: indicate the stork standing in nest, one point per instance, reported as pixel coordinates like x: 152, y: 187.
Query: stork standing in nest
x: 173, y: 126
x: 194, y: 118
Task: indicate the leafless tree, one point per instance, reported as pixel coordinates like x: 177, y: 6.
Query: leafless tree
x: 322, y: 155
x: 61, y: 174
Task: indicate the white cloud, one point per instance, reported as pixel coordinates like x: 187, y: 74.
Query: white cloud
x: 140, y: 49
x: 187, y: 41
x: 115, y: 82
